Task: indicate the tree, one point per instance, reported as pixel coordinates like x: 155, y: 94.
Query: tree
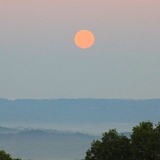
x: 111, y: 147
x: 145, y: 141
x: 144, y: 144
x: 6, y: 156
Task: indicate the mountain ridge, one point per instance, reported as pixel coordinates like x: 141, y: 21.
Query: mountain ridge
x: 83, y: 115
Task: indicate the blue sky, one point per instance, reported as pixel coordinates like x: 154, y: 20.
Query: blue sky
x: 38, y: 57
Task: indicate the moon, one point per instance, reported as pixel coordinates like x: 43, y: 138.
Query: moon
x: 84, y: 39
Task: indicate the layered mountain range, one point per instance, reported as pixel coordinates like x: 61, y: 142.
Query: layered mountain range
x: 64, y: 128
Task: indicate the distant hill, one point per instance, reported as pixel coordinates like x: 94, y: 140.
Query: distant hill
x: 45, y: 144
x: 92, y: 116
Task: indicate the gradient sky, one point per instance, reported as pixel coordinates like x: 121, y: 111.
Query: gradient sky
x: 38, y: 57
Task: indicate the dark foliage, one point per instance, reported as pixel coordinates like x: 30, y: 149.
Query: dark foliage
x: 144, y: 144
x: 6, y: 156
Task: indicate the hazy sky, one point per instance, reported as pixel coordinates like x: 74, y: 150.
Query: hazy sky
x: 38, y: 57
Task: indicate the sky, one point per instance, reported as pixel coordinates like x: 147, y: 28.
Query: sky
x: 39, y: 59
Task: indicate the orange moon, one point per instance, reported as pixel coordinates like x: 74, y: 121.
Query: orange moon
x: 84, y: 39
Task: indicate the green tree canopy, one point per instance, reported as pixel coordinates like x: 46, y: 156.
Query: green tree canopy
x: 6, y: 156
x: 145, y: 141
x: 144, y: 144
x: 111, y: 147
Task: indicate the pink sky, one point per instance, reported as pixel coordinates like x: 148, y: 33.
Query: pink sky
x: 38, y: 35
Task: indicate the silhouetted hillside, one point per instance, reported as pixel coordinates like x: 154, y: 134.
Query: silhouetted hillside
x: 45, y: 144
x: 83, y: 115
